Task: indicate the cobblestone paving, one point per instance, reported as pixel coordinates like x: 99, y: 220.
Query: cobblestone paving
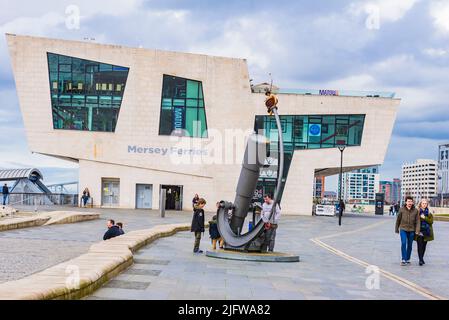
x: 29, y: 250
x: 319, y: 275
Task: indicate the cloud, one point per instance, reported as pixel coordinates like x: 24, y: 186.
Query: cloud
x: 386, y: 10
x: 439, y: 11
x: 304, y: 44
x: 436, y: 52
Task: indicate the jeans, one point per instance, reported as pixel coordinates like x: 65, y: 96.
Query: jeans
x: 196, y: 246
x: 407, y: 238
x: 270, y: 236
x: 422, y: 244
x: 5, y: 197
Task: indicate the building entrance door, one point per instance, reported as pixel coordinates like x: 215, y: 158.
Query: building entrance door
x: 173, y: 197
x: 144, y: 196
x: 110, y: 192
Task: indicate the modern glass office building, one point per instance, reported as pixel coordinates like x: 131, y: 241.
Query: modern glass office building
x: 140, y: 121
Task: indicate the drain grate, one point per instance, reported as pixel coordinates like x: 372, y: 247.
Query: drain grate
x: 151, y: 261
x: 122, y: 284
x: 143, y: 272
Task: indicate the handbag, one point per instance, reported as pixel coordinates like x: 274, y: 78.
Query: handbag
x: 425, y: 229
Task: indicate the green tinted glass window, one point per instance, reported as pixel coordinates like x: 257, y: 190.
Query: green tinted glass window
x: 306, y: 132
x: 182, y: 108
x: 85, y: 95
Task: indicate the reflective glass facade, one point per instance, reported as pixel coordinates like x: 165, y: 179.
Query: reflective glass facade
x: 304, y: 132
x: 85, y: 95
x: 182, y: 108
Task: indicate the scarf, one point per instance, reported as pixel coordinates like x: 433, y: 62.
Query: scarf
x: 425, y: 227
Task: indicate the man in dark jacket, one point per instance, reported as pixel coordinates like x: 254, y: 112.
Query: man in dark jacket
x: 113, y: 230
x: 198, y: 224
x: 407, y: 224
x: 5, y: 192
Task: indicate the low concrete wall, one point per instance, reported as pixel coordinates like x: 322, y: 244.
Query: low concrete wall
x: 18, y: 223
x: 63, y: 217
x: 48, y: 218
x: 81, y: 276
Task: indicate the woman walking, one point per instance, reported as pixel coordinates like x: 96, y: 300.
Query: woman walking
x: 426, y: 231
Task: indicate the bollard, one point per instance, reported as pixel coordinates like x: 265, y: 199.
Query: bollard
x: 162, y: 203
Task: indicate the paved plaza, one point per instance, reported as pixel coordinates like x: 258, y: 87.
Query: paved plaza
x: 167, y: 268
x: 29, y: 250
x: 333, y: 260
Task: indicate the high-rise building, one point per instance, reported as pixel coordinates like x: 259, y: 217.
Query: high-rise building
x: 443, y: 172
x: 396, y: 191
x: 419, y: 179
x: 392, y: 190
x: 360, y: 186
x: 385, y: 187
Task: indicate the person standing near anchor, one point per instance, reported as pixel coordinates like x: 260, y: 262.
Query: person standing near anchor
x: 271, y: 225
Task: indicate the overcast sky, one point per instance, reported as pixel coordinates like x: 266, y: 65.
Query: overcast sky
x: 385, y: 45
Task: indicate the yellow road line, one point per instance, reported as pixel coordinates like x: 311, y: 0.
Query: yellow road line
x: 401, y: 281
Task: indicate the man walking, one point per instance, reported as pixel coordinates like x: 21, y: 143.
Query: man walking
x: 396, y: 208
x: 407, y: 224
x: 270, y: 224
x: 5, y: 192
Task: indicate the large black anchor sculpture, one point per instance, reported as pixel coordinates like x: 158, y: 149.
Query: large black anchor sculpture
x: 253, y: 161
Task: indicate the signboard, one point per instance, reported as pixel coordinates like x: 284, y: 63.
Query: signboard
x: 328, y: 92
x: 314, y: 130
x: 325, y: 210
x: 178, y: 118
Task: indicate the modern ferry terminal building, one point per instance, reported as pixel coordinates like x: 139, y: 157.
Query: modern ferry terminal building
x: 139, y: 120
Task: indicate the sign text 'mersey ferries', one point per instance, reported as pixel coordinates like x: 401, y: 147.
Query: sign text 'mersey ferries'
x: 166, y: 151
x: 329, y: 93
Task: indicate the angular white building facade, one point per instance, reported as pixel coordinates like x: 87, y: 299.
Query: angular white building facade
x: 138, y: 121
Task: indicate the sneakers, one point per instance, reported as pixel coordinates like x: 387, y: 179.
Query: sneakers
x: 407, y: 262
x: 403, y: 263
x: 198, y: 251
x: 421, y: 263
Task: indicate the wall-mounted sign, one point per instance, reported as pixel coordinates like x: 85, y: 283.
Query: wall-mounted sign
x: 329, y: 93
x: 314, y: 130
x: 178, y: 118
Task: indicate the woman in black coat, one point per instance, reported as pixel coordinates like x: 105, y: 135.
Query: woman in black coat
x: 198, y: 224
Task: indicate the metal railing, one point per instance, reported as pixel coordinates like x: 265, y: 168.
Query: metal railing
x: 39, y: 199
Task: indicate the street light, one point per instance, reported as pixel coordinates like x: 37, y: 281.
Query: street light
x: 340, y: 210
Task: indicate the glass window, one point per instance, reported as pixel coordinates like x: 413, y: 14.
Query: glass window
x: 182, y: 108
x: 309, y: 132
x: 71, y: 79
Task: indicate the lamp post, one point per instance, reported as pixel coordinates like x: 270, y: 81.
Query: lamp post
x: 340, y: 210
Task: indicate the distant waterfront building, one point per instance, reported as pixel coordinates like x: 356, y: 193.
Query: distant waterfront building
x: 443, y: 171
x: 360, y: 186
x: 329, y: 196
x: 385, y: 187
x: 419, y: 179
x: 392, y: 190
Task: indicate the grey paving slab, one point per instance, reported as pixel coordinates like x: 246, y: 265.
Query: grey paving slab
x: 320, y: 274
x: 26, y: 251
